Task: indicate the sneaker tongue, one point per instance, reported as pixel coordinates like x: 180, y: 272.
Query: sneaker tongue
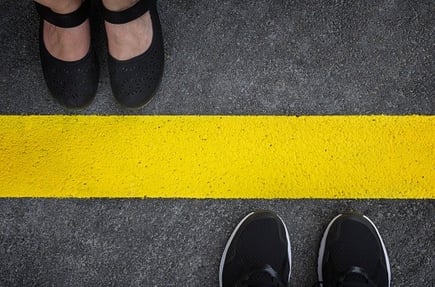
x: 356, y: 278
x: 263, y: 278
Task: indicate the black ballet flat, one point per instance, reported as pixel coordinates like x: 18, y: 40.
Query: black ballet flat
x: 135, y: 81
x: 72, y: 83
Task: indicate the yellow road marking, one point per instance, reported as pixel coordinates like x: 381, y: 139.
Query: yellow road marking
x: 217, y: 156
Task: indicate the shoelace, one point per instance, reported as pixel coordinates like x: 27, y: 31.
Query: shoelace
x: 262, y: 277
x: 354, y: 270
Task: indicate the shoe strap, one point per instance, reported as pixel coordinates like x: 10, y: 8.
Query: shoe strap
x: 129, y: 14
x: 69, y: 20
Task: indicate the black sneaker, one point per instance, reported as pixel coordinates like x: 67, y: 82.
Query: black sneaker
x: 257, y: 253
x: 352, y: 254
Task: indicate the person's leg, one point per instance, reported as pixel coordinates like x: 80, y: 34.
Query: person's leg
x: 257, y: 253
x: 352, y: 254
x: 61, y: 6
x: 67, y: 44
x: 129, y: 39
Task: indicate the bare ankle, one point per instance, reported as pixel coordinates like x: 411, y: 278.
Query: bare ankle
x: 118, y: 5
x: 61, y: 6
x: 130, y: 39
x: 65, y: 43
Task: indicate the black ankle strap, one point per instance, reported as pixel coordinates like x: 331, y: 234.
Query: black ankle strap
x: 129, y: 14
x: 69, y: 20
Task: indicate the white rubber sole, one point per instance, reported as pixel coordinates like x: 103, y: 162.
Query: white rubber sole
x: 224, y: 255
x: 323, y: 243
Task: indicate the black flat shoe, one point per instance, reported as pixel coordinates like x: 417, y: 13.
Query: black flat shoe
x: 72, y: 83
x: 134, y: 81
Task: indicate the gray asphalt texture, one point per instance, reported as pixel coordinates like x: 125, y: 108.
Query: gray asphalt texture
x: 179, y: 242
x: 255, y: 57
x: 225, y: 57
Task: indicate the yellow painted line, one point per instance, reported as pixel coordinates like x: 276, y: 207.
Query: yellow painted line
x: 217, y: 156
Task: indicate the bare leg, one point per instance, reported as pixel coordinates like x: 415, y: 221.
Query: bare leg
x: 67, y: 44
x: 130, y: 39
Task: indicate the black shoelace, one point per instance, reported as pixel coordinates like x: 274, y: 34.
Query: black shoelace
x: 262, y: 277
x: 344, y: 278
